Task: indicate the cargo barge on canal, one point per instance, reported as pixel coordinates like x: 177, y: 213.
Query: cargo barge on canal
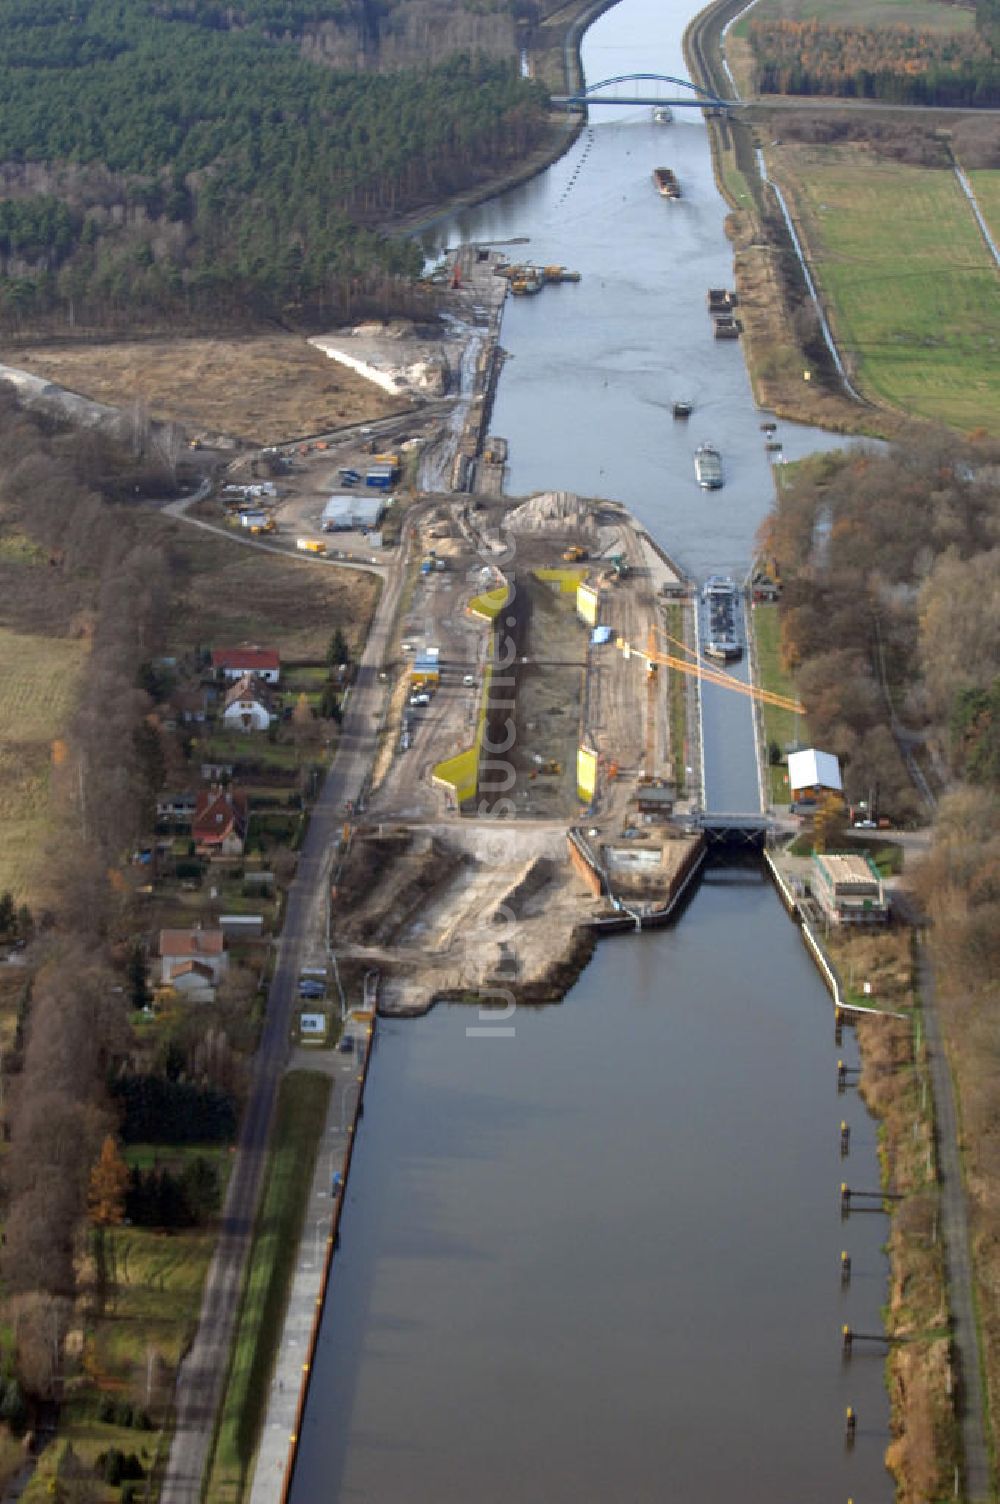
x: 721, y: 597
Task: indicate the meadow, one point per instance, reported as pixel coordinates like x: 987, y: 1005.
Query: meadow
x: 922, y: 15
x: 906, y: 277
x: 37, y: 693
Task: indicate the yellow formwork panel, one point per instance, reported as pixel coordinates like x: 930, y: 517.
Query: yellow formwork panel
x: 586, y: 604
x: 490, y: 603
x: 460, y: 774
x: 567, y: 579
x: 586, y: 774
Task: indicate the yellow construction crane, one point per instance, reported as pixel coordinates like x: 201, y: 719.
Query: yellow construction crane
x: 654, y: 657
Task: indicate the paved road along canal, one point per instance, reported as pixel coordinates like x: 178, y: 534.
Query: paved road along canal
x: 600, y: 1260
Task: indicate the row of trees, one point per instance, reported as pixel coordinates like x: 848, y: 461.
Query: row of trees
x: 890, y: 606
x: 899, y: 64
x: 160, y: 166
x: 93, y: 574
x: 891, y: 562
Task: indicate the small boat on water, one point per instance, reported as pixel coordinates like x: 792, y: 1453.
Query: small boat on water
x: 662, y: 114
x: 666, y: 182
x: 683, y: 409
x: 708, y: 467
x: 721, y: 597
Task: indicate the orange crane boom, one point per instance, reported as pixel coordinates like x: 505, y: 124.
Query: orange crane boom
x: 653, y: 657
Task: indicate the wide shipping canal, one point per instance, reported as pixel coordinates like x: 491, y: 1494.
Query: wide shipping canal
x: 601, y: 1259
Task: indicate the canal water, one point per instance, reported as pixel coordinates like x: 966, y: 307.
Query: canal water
x: 600, y: 1259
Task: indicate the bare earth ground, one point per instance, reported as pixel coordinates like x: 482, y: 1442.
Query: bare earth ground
x: 263, y: 388
x: 428, y: 918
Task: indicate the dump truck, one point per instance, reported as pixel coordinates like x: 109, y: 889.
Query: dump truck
x: 310, y: 546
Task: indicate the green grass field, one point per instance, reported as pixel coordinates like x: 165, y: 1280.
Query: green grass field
x: 781, y: 726
x: 302, y: 1106
x: 907, y: 279
x: 142, y: 1333
x: 922, y: 15
x: 986, y: 186
x: 37, y: 692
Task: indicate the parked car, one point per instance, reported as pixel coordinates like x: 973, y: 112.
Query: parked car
x: 349, y: 477
x: 346, y: 1045
x: 310, y: 989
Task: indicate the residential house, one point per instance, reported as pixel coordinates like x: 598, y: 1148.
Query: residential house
x: 179, y: 948
x: 219, y: 826
x: 233, y: 663
x: 248, y: 706
x: 178, y: 809
x: 812, y: 775
x: 195, y: 982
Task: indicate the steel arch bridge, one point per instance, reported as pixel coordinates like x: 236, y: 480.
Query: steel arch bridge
x: 627, y: 88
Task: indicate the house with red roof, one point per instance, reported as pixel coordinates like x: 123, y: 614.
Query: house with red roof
x: 233, y: 663
x: 192, y: 956
x: 219, y: 826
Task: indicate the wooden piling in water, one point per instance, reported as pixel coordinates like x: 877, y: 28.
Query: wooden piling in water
x: 850, y: 1425
x: 845, y: 1140
x: 845, y: 1268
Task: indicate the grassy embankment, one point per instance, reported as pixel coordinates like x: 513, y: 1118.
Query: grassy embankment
x: 782, y: 728
x: 678, y: 699
x: 907, y: 280
x: 895, y: 1085
x: 302, y: 1107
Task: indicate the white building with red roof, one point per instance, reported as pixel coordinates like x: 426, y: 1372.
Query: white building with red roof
x: 233, y: 663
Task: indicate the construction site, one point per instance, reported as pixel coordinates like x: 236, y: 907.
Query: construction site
x: 524, y: 797
x: 536, y: 774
